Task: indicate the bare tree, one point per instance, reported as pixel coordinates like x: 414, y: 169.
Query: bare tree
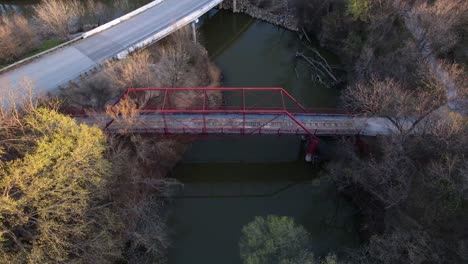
x: 386, y: 176
x: 17, y: 37
x: 59, y: 16
x: 139, y: 170
x: 459, y: 75
x: 135, y: 71
x: 123, y: 115
x: 400, y: 246
x: 174, y: 58
x: 405, y: 108
x: 439, y: 22
x: 96, y: 13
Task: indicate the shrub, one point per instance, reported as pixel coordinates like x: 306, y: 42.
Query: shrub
x: 51, y: 193
x: 16, y: 37
x: 59, y: 16
x: 275, y: 239
x: 359, y: 9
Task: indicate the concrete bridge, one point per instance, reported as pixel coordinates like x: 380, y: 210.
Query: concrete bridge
x: 114, y: 40
x: 267, y: 111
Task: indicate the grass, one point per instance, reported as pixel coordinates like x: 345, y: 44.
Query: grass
x: 46, y: 45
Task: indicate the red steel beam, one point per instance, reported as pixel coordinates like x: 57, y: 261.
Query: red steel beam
x: 204, y: 111
x: 243, y: 114
x: 265, y: 99
x: 283, y: 93
x: 301, y: 125
x: 208, y: 89
x: 268, y: 122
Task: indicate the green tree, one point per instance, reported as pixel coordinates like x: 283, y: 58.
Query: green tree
x: 50, y: 194
x: 275, y: 239
x: 359, y: 9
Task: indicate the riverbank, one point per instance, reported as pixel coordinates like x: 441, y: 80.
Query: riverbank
x: 143, y: 164
x: 283, y: 16
x: 142, y: 168
x: 175, y: 61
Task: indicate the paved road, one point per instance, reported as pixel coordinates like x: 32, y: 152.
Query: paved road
x: 57, y: 68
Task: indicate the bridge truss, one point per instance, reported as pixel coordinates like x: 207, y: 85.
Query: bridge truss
x: 225, y: 111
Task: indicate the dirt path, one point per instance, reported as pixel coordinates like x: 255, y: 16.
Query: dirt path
x: 414, y: 27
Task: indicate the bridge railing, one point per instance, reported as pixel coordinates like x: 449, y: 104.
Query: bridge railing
x: 171, y: 100
x: 219, y: 110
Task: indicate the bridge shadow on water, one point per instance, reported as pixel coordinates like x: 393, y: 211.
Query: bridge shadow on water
x: 227, y: 181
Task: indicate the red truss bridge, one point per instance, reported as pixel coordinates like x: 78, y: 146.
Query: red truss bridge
x: 243, y: 111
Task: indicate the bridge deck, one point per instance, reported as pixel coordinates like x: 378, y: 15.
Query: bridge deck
x: 238, y: 124
x: 229, y: 111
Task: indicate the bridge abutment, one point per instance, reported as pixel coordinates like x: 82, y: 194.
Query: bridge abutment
x: 194, y: 31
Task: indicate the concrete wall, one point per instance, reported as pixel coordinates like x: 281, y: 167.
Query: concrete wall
x: 122, y: 18
x: 177, y: 25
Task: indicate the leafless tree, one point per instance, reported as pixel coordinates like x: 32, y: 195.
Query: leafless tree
x: 404, y: 107
x: 439, y: 23
x: 59, y: 16
x: 387, y: 176
x: 140, y: 167
x: 96, y: 13
x: 135, y: 71
x: 17, y: 37
x: 459, y: 75
x: 400, y: 246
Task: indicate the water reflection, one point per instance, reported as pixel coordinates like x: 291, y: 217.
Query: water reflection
x: 219, y: 199
x: 252, y: 53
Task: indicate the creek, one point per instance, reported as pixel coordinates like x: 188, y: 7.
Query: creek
x: 230, y: 180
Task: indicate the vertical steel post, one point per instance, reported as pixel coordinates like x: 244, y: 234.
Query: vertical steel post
x: 282, y: 99
x: 234, y: 6
x: 194, y: 31
x: 294, y: 100
x: 162, y: 111
x: 204, y: 113
x: 243, y: 111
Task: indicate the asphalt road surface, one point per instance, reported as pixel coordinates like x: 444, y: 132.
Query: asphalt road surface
x: 63, y: 65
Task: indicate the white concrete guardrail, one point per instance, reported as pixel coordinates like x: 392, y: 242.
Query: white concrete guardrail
x: 86, y: 35
x: 163, y: 33
x: 11, y: 66
x: 122, y: 18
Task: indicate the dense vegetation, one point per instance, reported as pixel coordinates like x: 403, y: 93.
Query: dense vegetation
x: 406, y: 62
x: 53, y: 180
x: 277, y: 239
x: 176, y: 61
x: 113, y: 196
x: 412, y: 185
x: 71, y: 194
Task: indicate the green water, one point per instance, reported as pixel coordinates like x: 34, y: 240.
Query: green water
x: 252, y: 53
x: 218, y: 199
x: 230, y: 180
